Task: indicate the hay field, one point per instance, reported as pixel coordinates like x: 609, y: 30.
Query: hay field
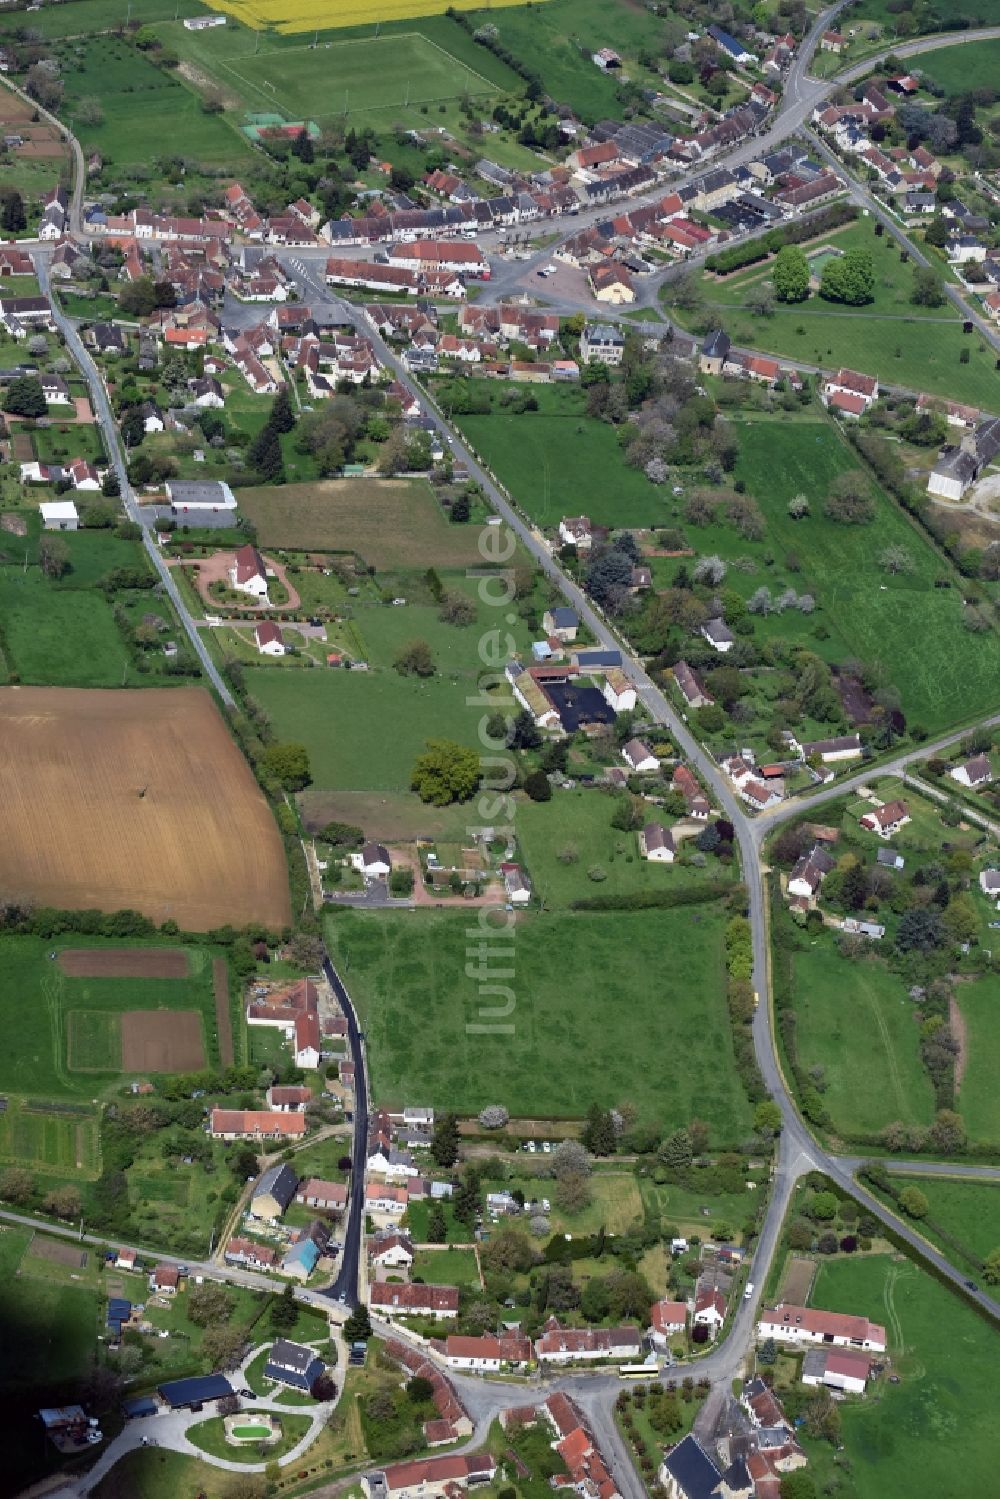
x: 134, y: 799
x: 388, y: 522
x: 310, y: 15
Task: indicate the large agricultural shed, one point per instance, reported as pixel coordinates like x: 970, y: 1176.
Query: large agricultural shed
x: 182, y: 1394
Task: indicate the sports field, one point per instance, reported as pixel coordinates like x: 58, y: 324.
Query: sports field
x: 596, y: 1009
x: 934, y: 1431
x: 855, y: 1020
x: 371, y: 73
x: 155, y: 809
x: 868, y: 613
x: 389, y: 522
x: 308, y: 15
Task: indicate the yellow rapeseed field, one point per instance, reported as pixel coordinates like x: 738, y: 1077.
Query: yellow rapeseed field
x: 308, y: 15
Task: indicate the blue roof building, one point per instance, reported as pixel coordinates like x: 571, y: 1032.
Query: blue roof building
x: 293, y: 1364
x: 119, y: 1311
x: 181, y: 1392
x: 735, y: 49
x: 301, y: 1260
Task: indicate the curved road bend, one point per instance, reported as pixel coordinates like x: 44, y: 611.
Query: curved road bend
x: 105, y: 417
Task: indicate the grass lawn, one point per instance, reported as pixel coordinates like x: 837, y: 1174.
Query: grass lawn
x: 868, y: 613
x: 211, y: 1438
x: 363, y: 730
x: 156, y: 1473
x: 581, y: 820
x: 692, y: 1212
x: 146, y: 110
x: 856, y: 1021
x: 933, y: 1432
x: 389, y: 522
x: 615, y: 1201
x: 61, y: 636
x: 446, y: 1267
x: 902, y: 344
x: 416, y: 1222
x: 969, y: 1211
x: 561, y: 1037
x: 959, y: 69
x: 551, y: 457
x: 978, y: 1098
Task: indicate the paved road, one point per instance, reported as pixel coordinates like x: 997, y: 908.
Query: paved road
x: 109, y: 430
x: 345, y: 1288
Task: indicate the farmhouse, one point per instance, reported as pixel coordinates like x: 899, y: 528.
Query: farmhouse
x: 517, y: 886
x: 809, y: 873
x: 975, y: 772
x: 619, y: 694
x: 575, y: 531
x: 656, y: 843
x: 639, y: 757
x: 391, y: 1300
x: 429, y: 1477
x: 843, y: 747
x: 289, y: 1100
x: 958, y: 467
x: 255, y: 1124
x: 165, y: 1280
x: 851, y: 383
x: 488, y: 1355
x: 718, y: 635
x: 562, y: 622
x: 293, y: 1364
x: 330, y: 1197
x: 255, y: 1256
x: 801, y: 1324
x: 269, y: 637
x: 599, y: 341
x: 390, y: 1249
x: 839, y: 1369
x: 273, y: 1192
x: 690, y: 687
x: 666, y: 1320
x: 248, y: 573
x: 887, y: 819
x: 565, y: 1345
x: 373, y: 861
x: 989, y: 883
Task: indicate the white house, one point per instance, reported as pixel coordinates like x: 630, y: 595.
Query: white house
x: 656, y: 843
x: 709, y: 1311
x: 575, y: 531
x: 666, y: 1320
x: 390, y: 1250
x: 887, y: 819
x: 488, y: 1355
x: 975, y: 772
x: 248, y: 573
x: 805, y: 1325
x: 59, y: 515
x: 809, y: 873
x: 373, y: 861
x: 516, y: 884
x: 843, y: 1369
x: 718, y: 635
x: 639, y: 757
x: 270, y: 640
x: 843, y: 747
x: 619, y: 693
x: 989, y: 883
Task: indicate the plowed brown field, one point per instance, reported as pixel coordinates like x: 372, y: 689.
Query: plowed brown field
x: 162, y: 1041
x: 125, y: 963
x: 134, y: 799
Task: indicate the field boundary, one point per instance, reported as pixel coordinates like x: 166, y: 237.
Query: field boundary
x: 77, y: 1021
x: 223, y: 1016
